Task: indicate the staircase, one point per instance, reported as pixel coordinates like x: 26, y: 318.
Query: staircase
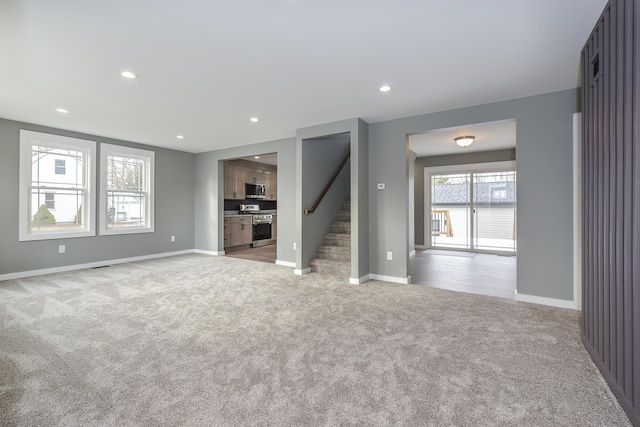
x: 334, y: 257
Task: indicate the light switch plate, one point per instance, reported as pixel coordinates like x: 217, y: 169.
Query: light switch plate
x: 381, y: 186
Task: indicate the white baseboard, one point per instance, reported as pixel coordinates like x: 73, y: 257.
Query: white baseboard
x: 214, y: 253
x: 301, y: 272
x: 286, y: 263
x: 553, y: 302
x: 412, y: 253
x: 391, y: 279
x: 40, y: 272
x: 420, y: 247
x: 354, y: 281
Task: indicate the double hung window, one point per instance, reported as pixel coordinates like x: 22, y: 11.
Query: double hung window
x: 56, y: 198
x: 126, y: 190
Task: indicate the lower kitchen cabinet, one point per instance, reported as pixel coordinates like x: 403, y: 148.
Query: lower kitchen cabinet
x: 239, y: 231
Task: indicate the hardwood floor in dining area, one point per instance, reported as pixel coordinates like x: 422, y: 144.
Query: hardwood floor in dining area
x: 476, y: 273
x: 262, y: 253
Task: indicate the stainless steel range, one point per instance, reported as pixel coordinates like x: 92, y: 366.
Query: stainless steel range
x: 262, y: 224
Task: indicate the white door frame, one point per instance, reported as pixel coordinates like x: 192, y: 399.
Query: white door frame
x: 509, y: 165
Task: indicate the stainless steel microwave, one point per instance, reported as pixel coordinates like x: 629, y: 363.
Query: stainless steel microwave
x: 254, y: 191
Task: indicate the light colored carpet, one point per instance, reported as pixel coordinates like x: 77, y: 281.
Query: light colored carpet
x: 199, y: 340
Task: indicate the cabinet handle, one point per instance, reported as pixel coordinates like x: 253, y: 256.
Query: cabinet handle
x: 234, y: 194
x: 241, y: 226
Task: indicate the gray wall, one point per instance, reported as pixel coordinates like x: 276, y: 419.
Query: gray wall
x: 360, y: 201
x: 174, y: 210
x: 451, y: 159
x: 544, y: 138
x: 544, y: 141
x: 209, y: 190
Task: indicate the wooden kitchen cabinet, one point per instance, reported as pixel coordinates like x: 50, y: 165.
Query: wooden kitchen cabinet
x: 255, y: 176
x: 239, y: 231
x: 270, y: 185
x: 227, y: 233
x: 234, y: 180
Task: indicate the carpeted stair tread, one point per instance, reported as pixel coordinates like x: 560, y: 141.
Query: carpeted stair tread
x: 334, y: 252
x: 337, y: 239
x: 330, y: 266
x: 341, y: 227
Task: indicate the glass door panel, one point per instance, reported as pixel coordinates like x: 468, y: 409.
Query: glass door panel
x: 494, y: 202
x: 451, y: 218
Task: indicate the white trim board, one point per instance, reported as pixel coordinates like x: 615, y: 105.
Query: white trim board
x: 40, y: 272
x: 354, y: 281
x: 301, y: 272
x: 553, y: 302
x: 392, y: 279
x: 214, y: 253
x: 286, y: 263
x: 577, y: 209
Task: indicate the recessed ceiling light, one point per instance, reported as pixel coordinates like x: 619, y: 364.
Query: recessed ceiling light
x: 128, y: 74
x: 384, y: 88
x: 254, y: 119
x: 62, y: 110
x: 180, y: 136
x: 256, y: 157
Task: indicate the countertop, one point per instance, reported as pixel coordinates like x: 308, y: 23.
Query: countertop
x: 236, y: 213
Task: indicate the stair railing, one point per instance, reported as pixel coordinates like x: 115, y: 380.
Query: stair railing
x: 326, y: 188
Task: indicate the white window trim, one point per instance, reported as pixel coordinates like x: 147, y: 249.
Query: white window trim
x: 27, y: 140
x: 135, y: 153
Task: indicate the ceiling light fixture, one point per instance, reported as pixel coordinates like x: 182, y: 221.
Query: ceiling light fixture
x: 384, y: 88
x: 256, y: 157
x: 254, y: 119
x: 62, y: 110
x: 464, y: 141
x: 180, y: 136
x: 128, y: 74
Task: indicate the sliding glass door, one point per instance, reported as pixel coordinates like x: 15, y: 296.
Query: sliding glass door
x: 474, y: 211
x: 494, y: 202
x: 451, y: 211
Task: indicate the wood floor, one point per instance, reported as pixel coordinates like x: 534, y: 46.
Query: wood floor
x: 262, y: 254
x: 484, y: 274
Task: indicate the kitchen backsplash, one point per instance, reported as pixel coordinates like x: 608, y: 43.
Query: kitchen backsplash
x: 234, y: 205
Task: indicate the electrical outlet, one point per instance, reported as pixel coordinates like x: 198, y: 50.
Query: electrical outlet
x: 173, y: 238
x: 61, y: 249
x: 389, y: 255
x: 381, y: 186
x: 294, y: 246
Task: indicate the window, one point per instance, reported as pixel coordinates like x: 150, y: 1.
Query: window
x: 60, y: 166
x: 49, y: 200
x: 126, y: 190
x: 41, y: 184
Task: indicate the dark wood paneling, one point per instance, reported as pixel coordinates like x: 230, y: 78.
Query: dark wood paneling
x: 611, y: 201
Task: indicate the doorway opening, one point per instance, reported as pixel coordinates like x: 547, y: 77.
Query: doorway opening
x: 463, y: 199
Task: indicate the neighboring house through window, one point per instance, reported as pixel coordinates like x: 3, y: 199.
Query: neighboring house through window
x: 65, y: 185
x: 126, y: 190
x: 60, y: 166
x: 49, y: 200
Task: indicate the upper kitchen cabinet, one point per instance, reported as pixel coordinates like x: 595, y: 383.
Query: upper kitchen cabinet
x: 255, y: 176
x: 234, y: 180
x: 271, y: 185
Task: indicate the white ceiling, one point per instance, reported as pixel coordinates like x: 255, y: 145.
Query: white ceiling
x: 206, y: 67
x: 267, y: 159
x: 488, y: 137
